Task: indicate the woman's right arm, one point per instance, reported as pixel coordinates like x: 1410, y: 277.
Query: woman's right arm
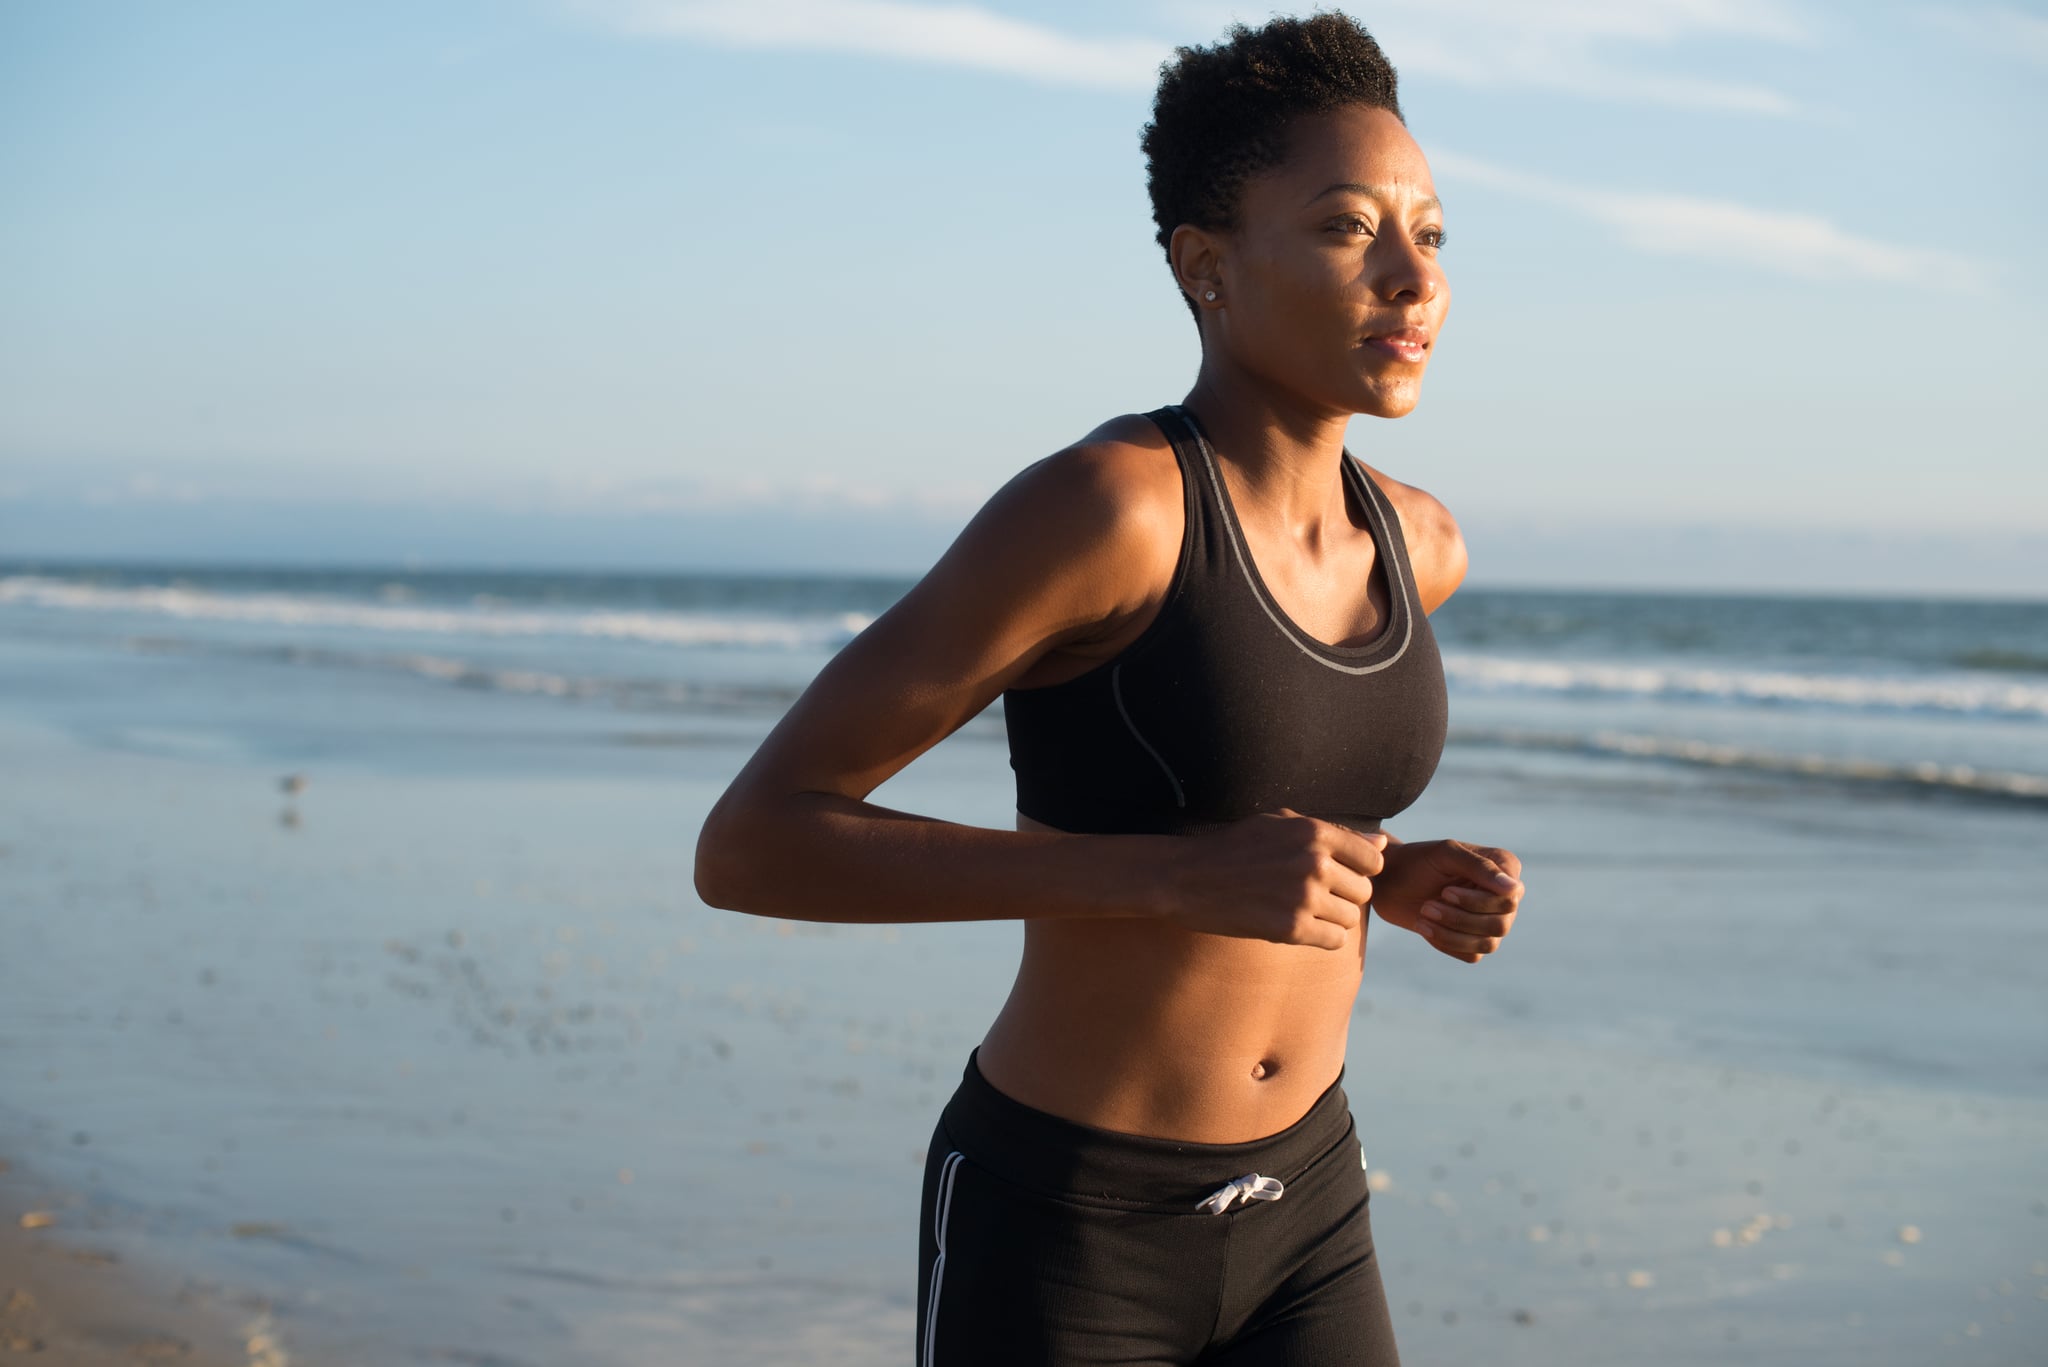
x: 1070, y: 551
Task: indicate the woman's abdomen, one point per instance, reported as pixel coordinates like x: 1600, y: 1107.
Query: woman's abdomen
x: 1142, y: 1027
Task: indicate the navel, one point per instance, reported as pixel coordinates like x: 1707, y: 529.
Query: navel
x: 1264, y: 1069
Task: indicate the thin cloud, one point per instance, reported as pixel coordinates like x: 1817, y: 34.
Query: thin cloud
x: 941, y: 35
x: 1643, y: 21
x: 1997, y: 28
x: 1584, y: 48
x: 1720, y: 230
x: 1591, y: 49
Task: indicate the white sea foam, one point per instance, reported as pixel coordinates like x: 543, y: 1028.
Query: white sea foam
x: 1982, y: 695
x: 639, y: 693
x: 484, y: 616
x: 1960, y: 778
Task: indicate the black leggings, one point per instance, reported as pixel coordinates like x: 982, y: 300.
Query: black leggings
x: 1048, y: 1242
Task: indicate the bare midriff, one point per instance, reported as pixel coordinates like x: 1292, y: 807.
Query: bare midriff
x: 1139, y: 1026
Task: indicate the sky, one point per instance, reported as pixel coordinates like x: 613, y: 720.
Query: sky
x: 1746, y: 293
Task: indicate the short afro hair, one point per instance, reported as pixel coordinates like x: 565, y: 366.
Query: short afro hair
x: 1222, y: 113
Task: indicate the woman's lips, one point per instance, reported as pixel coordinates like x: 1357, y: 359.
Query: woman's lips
x: 1409, y: 344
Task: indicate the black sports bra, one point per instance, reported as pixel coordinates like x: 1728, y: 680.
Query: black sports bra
x: 1223, y: 707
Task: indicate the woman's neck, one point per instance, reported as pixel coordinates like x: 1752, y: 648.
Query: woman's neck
x: 1284, y: 452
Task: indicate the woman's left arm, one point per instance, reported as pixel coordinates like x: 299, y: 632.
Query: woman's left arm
x: 1460, y: 897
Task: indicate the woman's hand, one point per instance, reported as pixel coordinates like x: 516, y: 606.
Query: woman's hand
x: 1277, y: 876
x: 1462, y: 898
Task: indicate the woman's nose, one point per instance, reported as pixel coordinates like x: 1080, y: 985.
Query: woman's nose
x: 1405, y: 275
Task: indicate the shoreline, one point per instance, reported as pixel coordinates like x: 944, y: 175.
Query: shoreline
x: 71, y: 1294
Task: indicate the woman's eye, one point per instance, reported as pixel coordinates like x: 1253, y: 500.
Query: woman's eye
x: 1432, y: 238
x: 1356, y: 227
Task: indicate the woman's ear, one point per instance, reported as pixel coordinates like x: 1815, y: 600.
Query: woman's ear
x: 1197, y: 257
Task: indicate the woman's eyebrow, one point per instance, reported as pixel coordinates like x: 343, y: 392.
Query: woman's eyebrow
x: 1373, y: 192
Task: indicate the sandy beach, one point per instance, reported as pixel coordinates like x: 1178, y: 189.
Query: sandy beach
x: 430, y: 1055
x: 70, y: 1295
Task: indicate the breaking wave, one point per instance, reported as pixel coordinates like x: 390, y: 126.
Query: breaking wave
x: 481, y: 617
x: 1949, y: 694
x: 1924, y: 775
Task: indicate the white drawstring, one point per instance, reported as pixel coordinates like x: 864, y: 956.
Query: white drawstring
x: 1248, y: 1188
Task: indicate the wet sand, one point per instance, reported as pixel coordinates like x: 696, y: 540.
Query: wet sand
x: 69, y: 1295
x: 443, y: 1063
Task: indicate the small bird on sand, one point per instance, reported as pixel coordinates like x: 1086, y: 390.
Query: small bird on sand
x: 293, y: 784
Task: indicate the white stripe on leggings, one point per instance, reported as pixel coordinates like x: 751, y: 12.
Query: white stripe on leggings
x: 939, y: 1220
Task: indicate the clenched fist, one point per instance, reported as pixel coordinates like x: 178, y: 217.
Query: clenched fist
x: 1460, y: 897
x: 1277, y: 876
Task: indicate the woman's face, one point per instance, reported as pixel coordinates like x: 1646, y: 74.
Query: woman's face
x: 1329, y: 287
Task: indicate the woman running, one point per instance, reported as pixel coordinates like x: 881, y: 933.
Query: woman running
x: 1208, y: 625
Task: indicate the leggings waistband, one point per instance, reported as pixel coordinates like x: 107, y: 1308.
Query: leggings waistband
x: 1057, y: 1156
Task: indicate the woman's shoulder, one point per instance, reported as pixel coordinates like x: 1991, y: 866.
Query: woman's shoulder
x: 1126, y: 459
x: 1119, y: 485
x: 1102, y: 515
x: 1094, y: 529
x: 1436, y: 546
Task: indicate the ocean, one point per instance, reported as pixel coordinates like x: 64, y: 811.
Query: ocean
x: 354, y: 959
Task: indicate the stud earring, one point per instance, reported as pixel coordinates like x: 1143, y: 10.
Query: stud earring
x: 1210, y: 296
